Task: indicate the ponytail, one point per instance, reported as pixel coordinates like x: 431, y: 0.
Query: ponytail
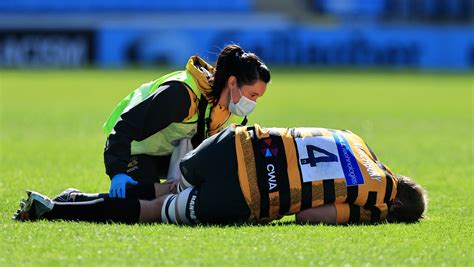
x: 234, y: 61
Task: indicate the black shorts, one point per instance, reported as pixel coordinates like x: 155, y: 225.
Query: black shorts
x: 212, y: 169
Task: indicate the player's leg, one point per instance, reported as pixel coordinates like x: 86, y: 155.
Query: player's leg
x: 38, y: 206
x: 139, y: 191
x: 101, y: 210
x: 191, y: 207
x: 222, y: 201
x: 172, y: 208
x: 208, y: 203
x: 212, y: 169
x: 217, y: 201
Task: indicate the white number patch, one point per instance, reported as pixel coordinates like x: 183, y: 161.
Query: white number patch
x: 319, y: 158
x: 327, y: 158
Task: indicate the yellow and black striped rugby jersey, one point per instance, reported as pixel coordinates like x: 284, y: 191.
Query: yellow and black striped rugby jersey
x: 286, y: 170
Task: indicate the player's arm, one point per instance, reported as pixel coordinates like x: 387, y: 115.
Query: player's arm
x: 322, y: 214
x: 350, y: 213
x: 342, y: 213
x: 170, y: 103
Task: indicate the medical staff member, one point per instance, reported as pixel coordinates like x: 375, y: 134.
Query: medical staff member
x: 193, y: 104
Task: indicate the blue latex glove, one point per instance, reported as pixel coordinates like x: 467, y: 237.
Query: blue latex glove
x: 119, y: 184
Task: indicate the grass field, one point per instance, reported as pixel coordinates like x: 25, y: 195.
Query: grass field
x: 419, y: 124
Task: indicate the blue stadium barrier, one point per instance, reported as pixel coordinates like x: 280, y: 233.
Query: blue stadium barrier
x: 372, y: 8
x: 419, y: 10
x: 124, y: 5
x: 401, y: 47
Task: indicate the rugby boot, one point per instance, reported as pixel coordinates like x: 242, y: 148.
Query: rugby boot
x: 33, y: 207
x: 65, y: 196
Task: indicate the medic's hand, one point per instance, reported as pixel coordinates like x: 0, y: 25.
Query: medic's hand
x: 119, y: 183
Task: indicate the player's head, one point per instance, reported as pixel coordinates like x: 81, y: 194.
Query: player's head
x: 242, y: 72
x: 410, y: 202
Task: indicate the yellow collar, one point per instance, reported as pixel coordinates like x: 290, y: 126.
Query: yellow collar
x: 202, y: 72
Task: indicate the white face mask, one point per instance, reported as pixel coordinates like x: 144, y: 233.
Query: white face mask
x: 242, y: 108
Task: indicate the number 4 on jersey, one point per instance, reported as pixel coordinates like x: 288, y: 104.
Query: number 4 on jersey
x: 313, y: 160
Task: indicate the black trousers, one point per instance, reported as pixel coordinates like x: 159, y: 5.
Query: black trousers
x: 147, y: 169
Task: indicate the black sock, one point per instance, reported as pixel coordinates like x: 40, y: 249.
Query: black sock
x: 121, y: 210
x: 139, y: 191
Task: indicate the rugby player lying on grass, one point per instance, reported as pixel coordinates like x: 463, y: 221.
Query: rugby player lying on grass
x: 257, y: 175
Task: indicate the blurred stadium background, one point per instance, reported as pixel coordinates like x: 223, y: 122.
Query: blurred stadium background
x: 412, y: 102
x: 421, y: 34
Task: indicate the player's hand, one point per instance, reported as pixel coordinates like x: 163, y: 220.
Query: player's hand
x: 174, y: 186
x: 118, y: 185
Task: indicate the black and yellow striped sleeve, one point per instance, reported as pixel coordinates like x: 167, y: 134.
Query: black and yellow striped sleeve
x: 350, y: 213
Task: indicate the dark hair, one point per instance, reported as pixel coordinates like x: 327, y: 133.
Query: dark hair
x: 410, y: 202
x: 246, y: 67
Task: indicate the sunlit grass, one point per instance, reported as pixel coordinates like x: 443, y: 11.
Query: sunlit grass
x: 418, y: 124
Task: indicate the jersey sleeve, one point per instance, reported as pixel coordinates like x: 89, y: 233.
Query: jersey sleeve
x: 350, y: 213
x: 170, y: 103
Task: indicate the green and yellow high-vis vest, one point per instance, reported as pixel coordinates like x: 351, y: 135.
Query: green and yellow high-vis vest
x: 164, y: 141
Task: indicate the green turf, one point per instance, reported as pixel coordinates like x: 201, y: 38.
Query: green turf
x: 418, y: 124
